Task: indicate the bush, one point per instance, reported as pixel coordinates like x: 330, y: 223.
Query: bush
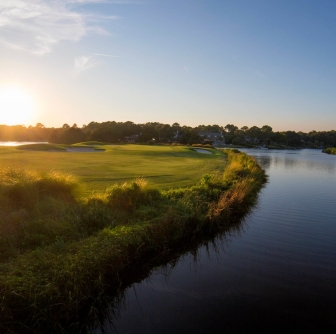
x: 202, y: 145
x: 330, y: 150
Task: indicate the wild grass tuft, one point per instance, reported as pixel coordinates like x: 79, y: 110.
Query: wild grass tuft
x: 330, y: 150
x: 21, y: 188
x: 37, y: 208
x: 241, y: 166
x: 131, y: 195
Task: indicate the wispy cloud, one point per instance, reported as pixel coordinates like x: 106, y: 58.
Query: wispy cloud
x: 87, y: 1
x: 38, y: 25
x: 84, y: 63
x: 112, y: 2
x: 104, y: 55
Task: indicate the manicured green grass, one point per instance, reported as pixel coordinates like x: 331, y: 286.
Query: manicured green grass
x: 164, y: 167
x: 41, y: 147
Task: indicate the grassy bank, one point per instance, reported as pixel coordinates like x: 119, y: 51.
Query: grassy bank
x: 330, y: 150
x: 61, y: 252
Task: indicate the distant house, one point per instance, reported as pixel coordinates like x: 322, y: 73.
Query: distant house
x: 217, y: 138
x: 131, y: 139
x: 175, y: 137
x: 251, y: 140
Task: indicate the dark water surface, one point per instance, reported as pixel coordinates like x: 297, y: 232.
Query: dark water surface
x: 276, y: 275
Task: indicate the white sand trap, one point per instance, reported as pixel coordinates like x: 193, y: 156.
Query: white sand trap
x: 199, y: 150
x: 82, y: 149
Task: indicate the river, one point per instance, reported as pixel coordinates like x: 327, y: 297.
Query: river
x: 275, y: 274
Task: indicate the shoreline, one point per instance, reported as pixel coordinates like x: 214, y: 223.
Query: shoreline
x: 102, y: 259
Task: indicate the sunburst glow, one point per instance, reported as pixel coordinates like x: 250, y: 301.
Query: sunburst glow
x: 16, y: 106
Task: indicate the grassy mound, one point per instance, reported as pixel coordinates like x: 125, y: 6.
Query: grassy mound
x: 91, y: 143
x: 41, y: 147
x: 63, y: 251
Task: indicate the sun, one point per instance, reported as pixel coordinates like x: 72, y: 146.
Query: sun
x: 16, y: 106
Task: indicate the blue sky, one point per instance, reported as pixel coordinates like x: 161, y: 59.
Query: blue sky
x: 193, y: 62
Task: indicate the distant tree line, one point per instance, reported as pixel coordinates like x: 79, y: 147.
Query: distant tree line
x: 154, y: 132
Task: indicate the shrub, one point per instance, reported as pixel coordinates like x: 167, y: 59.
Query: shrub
x: 330, y: 150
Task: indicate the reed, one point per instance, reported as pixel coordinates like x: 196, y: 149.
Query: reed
x: 26, y: 188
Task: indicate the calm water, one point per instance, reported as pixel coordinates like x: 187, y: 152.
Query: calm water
x: 276, y: 275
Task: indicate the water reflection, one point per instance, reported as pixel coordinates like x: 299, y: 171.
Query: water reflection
x: 274, y: 273
x: 152, y: 283
x: 308, y: 159
x: 265, y: 161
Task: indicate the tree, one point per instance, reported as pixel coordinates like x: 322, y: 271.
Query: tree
x: 266, y: 129
x: 292, y: 138
x: 104, y: 134
x: 278, y: 138
x: 39, y: 126
x: 254, y: 133
x: 73, y: 135
x: 189, y: 135
x: 266, y: 133
x: 55, y: 136
x: 230, y: 128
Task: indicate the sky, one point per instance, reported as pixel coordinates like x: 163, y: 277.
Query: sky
x: 241, y: 62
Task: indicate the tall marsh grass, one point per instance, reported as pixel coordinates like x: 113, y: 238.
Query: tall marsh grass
x: 130, y: 195
x: 62, y: 252
x: 38, y: 208
x: 26, y: 188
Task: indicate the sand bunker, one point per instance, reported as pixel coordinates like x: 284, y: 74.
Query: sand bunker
x: 199, y: 150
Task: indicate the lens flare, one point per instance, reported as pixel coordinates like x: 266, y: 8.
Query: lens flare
x: 16, y: 106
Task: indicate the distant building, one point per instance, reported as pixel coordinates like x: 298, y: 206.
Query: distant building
x: 251, y: 140
x: 217, y: 138
x: 131, y: 139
